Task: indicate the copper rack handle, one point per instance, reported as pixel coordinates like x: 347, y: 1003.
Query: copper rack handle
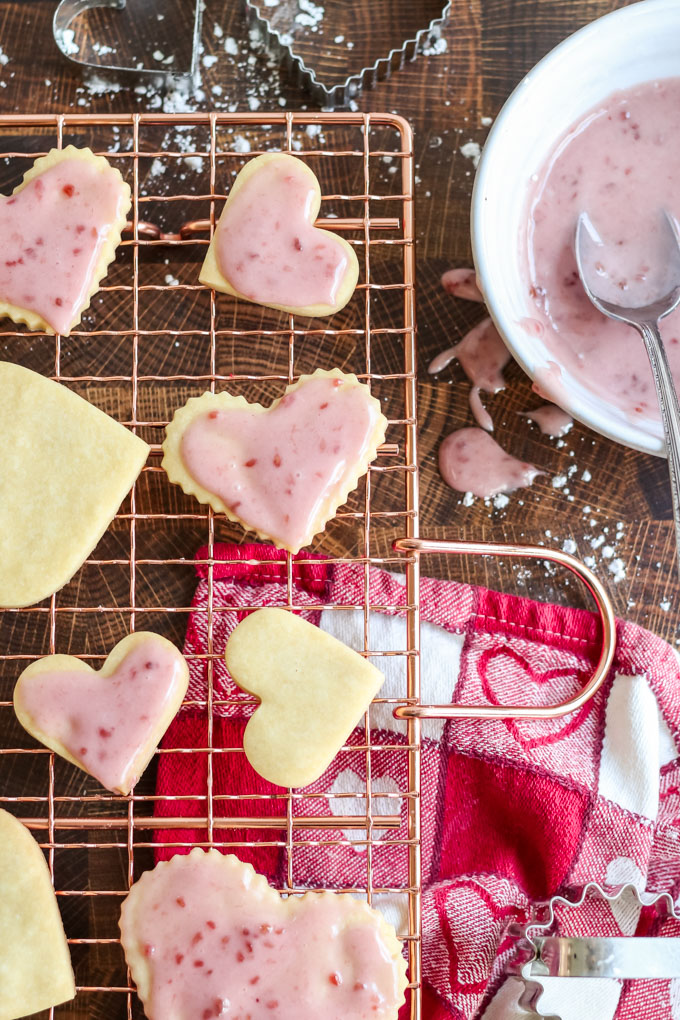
x: 150, y: 232
x: 530, y: 552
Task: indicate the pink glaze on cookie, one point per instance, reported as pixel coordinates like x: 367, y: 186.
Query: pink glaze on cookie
x: 217, y: 950
x: 104, y: 721
x: 276, y: 470
x: 53, y: 231
x: 269, y: 251
x: 471, y: 461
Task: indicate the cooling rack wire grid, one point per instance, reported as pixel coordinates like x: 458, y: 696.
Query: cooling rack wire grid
x: 152, y: 338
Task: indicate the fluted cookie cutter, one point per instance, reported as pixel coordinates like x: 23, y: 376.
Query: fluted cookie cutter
x: 282, y: 48
x: 542, y: 954
x: 68, y: 10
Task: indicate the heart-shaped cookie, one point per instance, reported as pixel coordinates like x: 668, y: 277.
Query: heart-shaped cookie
x: 35, y: 965
x: 266, y: 248
x: 60, y: 230
x: 108, y: 723
x: 65, y: 467
x: 280, y: 471
x: 206, y: 937
x: 313, y: 691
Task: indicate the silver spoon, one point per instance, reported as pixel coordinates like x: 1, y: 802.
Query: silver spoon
x: 661, y: 296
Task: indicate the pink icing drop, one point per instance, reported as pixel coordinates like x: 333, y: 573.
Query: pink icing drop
x: 267, y: 248
x: 462, y: 283
x: 278, y: 469
x: 480, y: 413
x: 40, y: 268
x: 71, y: 707
x: 482, y: 356
x: 272, y: 960
x: 471, y: 461
x: 551, y: 420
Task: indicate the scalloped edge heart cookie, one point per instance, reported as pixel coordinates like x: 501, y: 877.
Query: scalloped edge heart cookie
x: 178, y: 904
x: 211, y: 274
x: 214, y: 404
x: 107, y: 252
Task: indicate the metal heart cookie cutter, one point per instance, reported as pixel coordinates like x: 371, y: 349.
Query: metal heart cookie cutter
x: 68, y: 10
x: 615, y: 957
x: 281, y: 46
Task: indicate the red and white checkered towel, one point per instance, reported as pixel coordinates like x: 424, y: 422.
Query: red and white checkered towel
x: 513, y: 812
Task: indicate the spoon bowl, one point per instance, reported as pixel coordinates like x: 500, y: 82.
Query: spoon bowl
x: 647, y: 298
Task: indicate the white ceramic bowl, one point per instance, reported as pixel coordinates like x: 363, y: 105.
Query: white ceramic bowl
x: 629, y: 46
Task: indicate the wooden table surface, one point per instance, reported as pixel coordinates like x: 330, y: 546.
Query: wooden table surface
x: 597, y: 499
x: 449, y: 97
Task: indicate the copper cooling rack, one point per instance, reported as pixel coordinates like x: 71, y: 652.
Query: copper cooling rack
x: 156, y: 330
x: 152, y: 338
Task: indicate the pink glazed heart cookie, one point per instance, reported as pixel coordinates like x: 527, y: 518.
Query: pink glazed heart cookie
x: 206, y: 937
x: 60, y: 230
x: 266, y: 248
x: 108, y: 723
x: 280, y: 471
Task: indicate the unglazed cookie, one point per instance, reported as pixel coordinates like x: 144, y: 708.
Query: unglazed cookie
x: 35, y: 965
x: 313, y: 691
x: 60, y: 230
x: 280, y: 471
x: 108, y: 723
x: 65, y: 467
x: 206, y: 937
x: 266, y: 248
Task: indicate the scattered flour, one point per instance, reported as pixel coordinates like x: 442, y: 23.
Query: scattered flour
x: 435, y: 47
x: 157, y: 168
x: 66, y: 39
x: 194, y: 163
x: 310, y: 15
x: 472, y: 150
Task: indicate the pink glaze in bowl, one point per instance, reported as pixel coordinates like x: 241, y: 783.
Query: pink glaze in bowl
x: 625, y: 48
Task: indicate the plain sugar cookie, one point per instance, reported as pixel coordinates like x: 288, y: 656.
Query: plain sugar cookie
x: 35, y: 965
x: 313, y: 691
x: 65, y: 467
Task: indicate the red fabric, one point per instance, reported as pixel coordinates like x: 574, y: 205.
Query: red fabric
x: 511, y: 811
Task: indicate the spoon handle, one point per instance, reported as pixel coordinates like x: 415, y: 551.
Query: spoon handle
x: 670, y: 412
